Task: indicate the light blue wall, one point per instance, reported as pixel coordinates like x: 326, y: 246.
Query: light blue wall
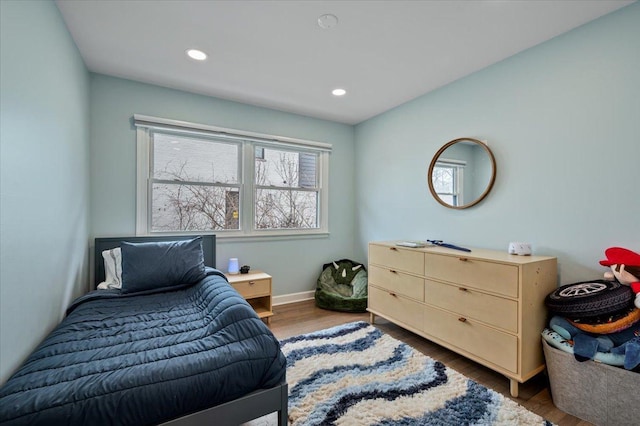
x: 44, y: 190
x: 294, y: 264
x: 563, y: 120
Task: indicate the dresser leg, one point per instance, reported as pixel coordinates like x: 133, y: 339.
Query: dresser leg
x: 513, y: 388
x: 372, y: 318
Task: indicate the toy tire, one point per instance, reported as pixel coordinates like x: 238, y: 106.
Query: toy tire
x: 589, y: 299
x: 614, y: 325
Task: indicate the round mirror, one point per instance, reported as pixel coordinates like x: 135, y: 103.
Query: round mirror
x: 462, y: 173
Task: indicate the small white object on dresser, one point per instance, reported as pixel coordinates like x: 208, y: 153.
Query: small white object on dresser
x: 486, y: 305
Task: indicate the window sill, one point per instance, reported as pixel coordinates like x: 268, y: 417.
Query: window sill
x: 276, y: 236
x: 222, y: 237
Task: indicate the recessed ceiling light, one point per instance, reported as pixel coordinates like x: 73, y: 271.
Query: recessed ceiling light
x: 327, y: 21
x: 339, y: 92
x: 196, y: 54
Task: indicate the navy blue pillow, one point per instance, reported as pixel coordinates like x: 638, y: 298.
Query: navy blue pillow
x: 147, y: 266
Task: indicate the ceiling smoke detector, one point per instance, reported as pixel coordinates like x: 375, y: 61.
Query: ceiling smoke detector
x: 327, y: 21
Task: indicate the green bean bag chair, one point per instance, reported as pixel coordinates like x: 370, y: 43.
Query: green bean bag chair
x: 342, y: 286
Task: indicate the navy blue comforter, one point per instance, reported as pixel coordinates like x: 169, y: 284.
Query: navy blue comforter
x: 139, y: 359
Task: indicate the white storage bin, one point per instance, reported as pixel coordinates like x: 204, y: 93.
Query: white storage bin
x: 595, y: 392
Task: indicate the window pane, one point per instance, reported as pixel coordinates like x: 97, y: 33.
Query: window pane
x: 285, y: 168
x: 449, y: 199
x: 194, y: 208
x: 443, y: 178
x: 196, y: 160
x: 286, y: 209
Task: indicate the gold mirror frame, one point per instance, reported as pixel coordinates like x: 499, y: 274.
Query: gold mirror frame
x: 435, y: 159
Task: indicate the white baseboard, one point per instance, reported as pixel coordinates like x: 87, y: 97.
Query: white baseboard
x: 293, y: 297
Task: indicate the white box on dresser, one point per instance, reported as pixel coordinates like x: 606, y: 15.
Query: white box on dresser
x: 486, y: 305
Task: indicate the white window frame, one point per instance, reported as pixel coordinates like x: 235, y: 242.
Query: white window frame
x: 458, y: 179
x: 248, y: 140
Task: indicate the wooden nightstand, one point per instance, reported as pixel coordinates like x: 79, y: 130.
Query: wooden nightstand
x: 255, y: 287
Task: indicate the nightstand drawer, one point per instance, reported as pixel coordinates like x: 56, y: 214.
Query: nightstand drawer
x: 253, y: 288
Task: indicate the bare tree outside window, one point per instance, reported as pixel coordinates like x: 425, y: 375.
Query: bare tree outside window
x: 178, y: 207
x: 196, y: 186
x: 283, y: 201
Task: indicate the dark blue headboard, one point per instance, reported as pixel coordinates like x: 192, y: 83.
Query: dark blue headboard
x: 107, y: 243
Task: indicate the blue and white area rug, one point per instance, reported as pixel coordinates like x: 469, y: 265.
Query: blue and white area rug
x: 354, y: 374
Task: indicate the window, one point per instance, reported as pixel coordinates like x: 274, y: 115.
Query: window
x: 195, y: 183
x: 197, y: 178
x: 448, y: 178
x: 286, y: 190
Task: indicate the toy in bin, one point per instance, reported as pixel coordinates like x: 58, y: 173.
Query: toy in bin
x: 599, y: 319
x: 625, y: 267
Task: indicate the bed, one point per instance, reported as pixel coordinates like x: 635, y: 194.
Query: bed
x: 174, y: 345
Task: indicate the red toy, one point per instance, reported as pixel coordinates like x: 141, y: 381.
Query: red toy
x: 625, y: 267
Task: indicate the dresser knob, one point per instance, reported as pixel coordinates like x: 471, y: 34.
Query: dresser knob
x: 393, y: 271
x: 393, y: 294
x: 462, y: 289
x: 393, y: 249
x: 462, y: 259
x: 462, y: 319
x: 252, y: 282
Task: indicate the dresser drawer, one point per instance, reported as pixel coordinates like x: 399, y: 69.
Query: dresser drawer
x: 396, y: 307
x: 471, y: 303
x: 397, y: 258
x: 253, y: 288
x: 488, y: 276
x: 487, y: 343
x: 398, y: 282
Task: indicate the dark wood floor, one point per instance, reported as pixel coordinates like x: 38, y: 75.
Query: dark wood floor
x: 304, y: 317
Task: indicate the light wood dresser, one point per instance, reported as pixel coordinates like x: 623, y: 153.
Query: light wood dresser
x: 486, y: 305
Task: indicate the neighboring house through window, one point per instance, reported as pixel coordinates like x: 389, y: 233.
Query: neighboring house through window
x: 199, y: 178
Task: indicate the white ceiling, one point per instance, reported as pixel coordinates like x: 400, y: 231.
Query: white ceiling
x: 274, y: 54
